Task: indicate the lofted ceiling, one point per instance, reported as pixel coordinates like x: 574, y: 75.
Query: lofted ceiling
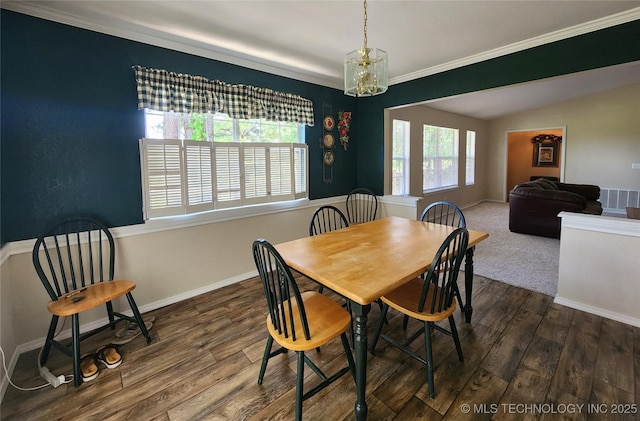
x: 307, y: 40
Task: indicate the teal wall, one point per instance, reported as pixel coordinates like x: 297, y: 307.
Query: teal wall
x: 70, y: 124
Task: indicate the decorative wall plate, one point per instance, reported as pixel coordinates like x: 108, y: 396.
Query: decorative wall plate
x: 328, y: 158
x: 329, y: 122
x: 328, y: 140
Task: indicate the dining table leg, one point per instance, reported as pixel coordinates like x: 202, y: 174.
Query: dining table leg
x: 468, y: 284
x: 360, y: 348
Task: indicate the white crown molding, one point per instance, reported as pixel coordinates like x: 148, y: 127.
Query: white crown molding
x: 180, y: 44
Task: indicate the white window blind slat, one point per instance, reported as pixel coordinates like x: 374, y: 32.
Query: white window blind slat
x: 227, y: 174
x: 162, y: 177
x: 280, y: 171
x: 199, y: 165
x: 255, y: 173
x: 301, y: 181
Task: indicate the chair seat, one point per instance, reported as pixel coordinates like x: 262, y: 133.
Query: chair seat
x: 327, y: 320
x: 93, y: 296
x: 406, y: 298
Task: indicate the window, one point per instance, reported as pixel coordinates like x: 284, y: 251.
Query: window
x: 439, y: 157
x: 198, y: 162
x: 400, y: 158
x: 470, y: 171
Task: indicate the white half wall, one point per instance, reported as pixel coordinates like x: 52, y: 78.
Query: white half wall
x: 599, y: 270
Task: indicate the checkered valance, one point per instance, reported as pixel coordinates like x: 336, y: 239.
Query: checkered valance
x: 162, y: 90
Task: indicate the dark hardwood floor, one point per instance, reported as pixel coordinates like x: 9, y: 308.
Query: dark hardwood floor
x: 525, y: 358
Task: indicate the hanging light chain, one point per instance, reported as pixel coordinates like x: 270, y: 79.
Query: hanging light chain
x: 365, y: 24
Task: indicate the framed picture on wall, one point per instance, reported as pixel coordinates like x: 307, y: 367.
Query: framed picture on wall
x: 545, y: 155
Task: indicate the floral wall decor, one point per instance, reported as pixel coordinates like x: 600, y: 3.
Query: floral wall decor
x: 344, y: 122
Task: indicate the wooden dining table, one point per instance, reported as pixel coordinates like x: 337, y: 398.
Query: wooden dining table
x: 366, y: 261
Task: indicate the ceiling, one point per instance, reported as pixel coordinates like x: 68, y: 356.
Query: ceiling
x: 307, y: 40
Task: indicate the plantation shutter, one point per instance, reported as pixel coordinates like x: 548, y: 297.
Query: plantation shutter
x: 300, y: 170
x: 255, y: 173
x: 227, y: 171
x: 188, y: 176
x: 199, y: 166
x: 162, y: 177
x: 281, y: 177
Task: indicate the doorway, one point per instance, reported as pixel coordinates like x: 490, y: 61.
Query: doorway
x: 534, y: 153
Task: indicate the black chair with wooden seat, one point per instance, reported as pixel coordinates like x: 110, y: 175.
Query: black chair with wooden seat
x: 429, y: 299
x: 326, y: 219
x: 362, y: 206
x: 444, y: 213
x: 75, y: 261
x: 298, y: 321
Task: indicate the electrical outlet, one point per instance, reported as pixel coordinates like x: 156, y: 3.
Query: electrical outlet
x: 635, y: 166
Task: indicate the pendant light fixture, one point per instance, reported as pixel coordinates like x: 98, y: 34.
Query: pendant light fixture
x: 366, y: 70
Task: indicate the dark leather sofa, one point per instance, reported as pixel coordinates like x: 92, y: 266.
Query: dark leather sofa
x: 534, y: 205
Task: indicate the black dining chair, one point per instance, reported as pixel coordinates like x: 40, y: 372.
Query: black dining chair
x: 444, y: 213
x: 75, y: 261
x: 429, y: 299
x: 298, y: 321
x: 328, y: 218
x: 325, y: 219
x: 362, y: 206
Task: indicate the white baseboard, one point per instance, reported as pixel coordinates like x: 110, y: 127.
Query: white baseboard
x: 608, y: 314
x: 37, y: 343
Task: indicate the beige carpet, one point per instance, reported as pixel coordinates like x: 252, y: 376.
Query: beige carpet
x: 526, y: 261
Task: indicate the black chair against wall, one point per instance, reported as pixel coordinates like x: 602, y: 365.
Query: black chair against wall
x: 325, y: 219
x: 362, y: 206
x: 75, y: 261
x: 298, y: 321
x: 429, y: 299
